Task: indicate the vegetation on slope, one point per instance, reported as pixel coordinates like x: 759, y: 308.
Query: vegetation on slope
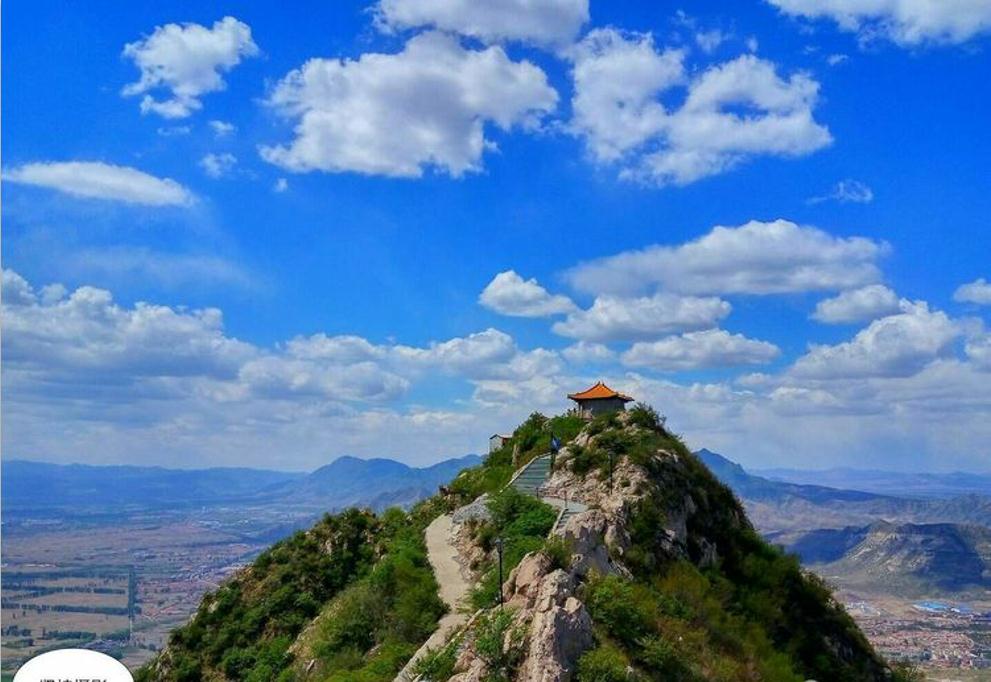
x: 522, y: 522
x: 353, y: 598
x: 744, y: 612
x: 243, y: 630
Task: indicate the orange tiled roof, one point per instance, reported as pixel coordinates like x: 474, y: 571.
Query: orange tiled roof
x: 600, y: 390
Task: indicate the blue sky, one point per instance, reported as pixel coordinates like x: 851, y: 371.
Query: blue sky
x: 281, y: 234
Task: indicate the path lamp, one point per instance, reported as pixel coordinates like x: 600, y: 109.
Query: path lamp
x: 498, y: 546
x: 612, y: 455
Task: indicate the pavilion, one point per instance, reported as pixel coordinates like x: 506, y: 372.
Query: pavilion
x: 599, y: 399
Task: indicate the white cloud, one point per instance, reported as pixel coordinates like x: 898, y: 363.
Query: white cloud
x: 549, y: 22
x: 895, y: 346
x: 621, y: 81
x: 187, y: 61
x: 847, y: 191
x: 613, y: 318
x: 174, y: 131
x: 222, y: 128
x: 978, y: 291
x: 754, y: 258
x: 708, y: 41
x: 282, y: 377
x: 858, y: 305
x: 281, y: 185
x: 584, y: 352
x: 978, y: 349
x: 398, y: 114
x: 88, y: 379
x: 88, y: 339
x: 906, y: 22
x: 97, y: 180
x: 218, y: 165
x: 837, y: 59
x: 617, y: 77
x: 696, y: 350
x: 510, y: 294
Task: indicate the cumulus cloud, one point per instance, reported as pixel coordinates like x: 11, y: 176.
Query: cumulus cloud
x: 754, y: 258
x: 510, y: 294
x: 621, y: 83
x: 906, y: 22
x: 894, y: 346
x: 858, y: 305
x: 549, y: 22
x: 187, y: 61
x: 978, y: 291
x: 87, y: 378
x: 218, y: 165
x: 847, y: 191
x: 978, y: 349
x: 584, y: 352
x: 85, y: 339
x: 98, y: 180
x: 222, y: 128
x: 697, y: 350
x: 613, y: 318
x: 398, y: 114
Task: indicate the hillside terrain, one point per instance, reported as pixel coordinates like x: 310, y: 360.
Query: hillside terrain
x: 909, y: 558
x: 775, y: 506
x: 623, y: 558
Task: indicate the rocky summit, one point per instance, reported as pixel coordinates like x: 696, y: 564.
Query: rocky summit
x: 617, y: 557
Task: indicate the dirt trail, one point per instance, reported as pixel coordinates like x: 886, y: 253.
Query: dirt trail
x: 443, y: 558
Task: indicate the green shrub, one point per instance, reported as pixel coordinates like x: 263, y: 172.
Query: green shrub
x: 605, y: 663
x: 438, y: 665
x: 646, y: 417
x: 620, y: 607
x: 499, y: 644
x: 559, y: 550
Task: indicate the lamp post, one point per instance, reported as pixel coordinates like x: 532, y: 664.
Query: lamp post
x: 498, y: 545
x: 611, y: 456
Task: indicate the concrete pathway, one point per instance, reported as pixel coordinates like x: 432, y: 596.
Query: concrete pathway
x: 443, y: 559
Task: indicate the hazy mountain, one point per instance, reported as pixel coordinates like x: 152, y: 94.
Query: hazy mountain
x: 779, y: 505
x: 37, y: 486
x: 40, y: 485
x: 377, y: 483
x: 899, y: 557
x: 888, y: 482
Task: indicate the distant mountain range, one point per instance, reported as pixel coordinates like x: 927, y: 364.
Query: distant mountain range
x: 895, y: 483
x: 920, y: 542
x: 775, y: 505
x: 375, y: 483
x: 906, y: 557
x: 38, y: 486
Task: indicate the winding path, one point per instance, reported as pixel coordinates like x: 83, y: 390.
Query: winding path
x: 443, y: 559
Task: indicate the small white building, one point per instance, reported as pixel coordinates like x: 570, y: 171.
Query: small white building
x: 496, y: 441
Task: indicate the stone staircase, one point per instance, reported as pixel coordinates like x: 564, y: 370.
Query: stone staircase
x: 572, y: 509
x: 533, y: 475
x: 529, y: 479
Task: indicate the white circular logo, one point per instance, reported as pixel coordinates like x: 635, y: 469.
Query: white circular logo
x: 73, y: 665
